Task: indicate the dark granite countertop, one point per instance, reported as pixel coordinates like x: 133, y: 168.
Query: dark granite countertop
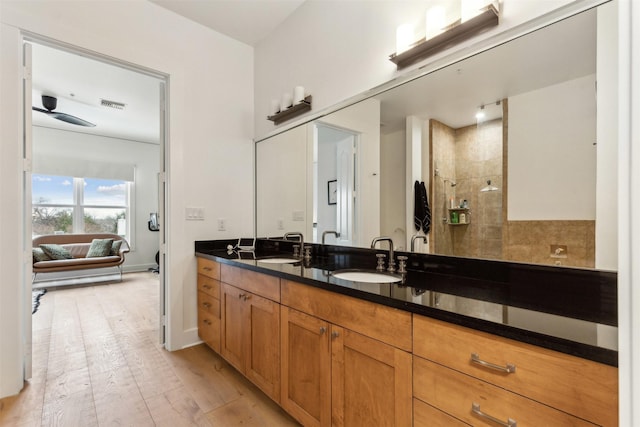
x: 570, y: 310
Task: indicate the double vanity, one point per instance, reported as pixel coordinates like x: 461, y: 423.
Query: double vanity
x: 452, y: 341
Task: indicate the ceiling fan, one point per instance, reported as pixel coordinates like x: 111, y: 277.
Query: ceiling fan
x: 50, y: 103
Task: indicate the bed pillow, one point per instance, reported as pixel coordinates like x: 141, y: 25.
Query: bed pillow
x: 54, y: 251
x: 99, y: 248
x: 115, y: 248
x: 39, y: 255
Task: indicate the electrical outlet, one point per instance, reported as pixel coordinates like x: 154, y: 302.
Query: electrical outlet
x: 222, y: 224
x: 298, y: 215
x: 280, y: 224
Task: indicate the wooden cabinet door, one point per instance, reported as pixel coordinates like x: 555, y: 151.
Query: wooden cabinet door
x: 306, y: 368
x: 371, y: 382
x: 262, y: 343
x: 232, y: 326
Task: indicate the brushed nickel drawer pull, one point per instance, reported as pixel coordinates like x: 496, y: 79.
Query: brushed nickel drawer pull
x: 240, y: 296
x: 509, y: 369
x: 207, y: 286
x: 335, y: 334
x: 207, y: 321
x: 245, y: 297
x: 207, y: 268
x: 206, y: 304
x: 323, y: 330
x: 475, y: 408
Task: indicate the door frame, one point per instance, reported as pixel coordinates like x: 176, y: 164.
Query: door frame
x: 163, y: 180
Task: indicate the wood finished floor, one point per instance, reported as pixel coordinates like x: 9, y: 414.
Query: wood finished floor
x: 96, y: 362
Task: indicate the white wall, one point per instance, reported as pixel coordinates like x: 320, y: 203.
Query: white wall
x: 552, y: 132
x: 393, y: 209
x: 327, y: 170
x: 337, y: 49
x: 146, y: 159
x: 281, y: 185
x: 210, y: 139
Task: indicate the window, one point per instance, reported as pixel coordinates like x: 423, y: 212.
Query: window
x: 64, y: 204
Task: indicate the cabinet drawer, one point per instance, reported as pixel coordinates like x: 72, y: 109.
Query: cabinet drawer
x: 425, y: 415
x: 208, y: 303
x: 209, y: 268
x: 578, y: 386
x: 456, y: 394
x: 209, y: 329
x: 377, y: 321
x: 257, y: 283
x: 209, y: 286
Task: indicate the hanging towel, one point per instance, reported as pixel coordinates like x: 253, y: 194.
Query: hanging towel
x: 425, y: 210
x: 418, y: 206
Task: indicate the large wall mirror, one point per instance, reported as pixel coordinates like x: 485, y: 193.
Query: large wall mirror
x: 512, y: 144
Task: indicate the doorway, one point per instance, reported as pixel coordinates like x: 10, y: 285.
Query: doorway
x: 110, y: 175
x: 334, y: 172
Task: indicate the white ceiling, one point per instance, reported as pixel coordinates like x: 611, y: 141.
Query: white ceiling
x: 80, y: 83
x: 248, y: 21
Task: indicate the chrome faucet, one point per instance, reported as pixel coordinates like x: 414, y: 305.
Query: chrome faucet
x: 392, y: 261
x: 417, y: 236
x: 324, y: 233
x: 299, y: 236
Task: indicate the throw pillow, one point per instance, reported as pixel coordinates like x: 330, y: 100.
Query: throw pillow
x: 100, y: 247
x: 115, y: 248
x: 39, y: 255
x: 54, y: 251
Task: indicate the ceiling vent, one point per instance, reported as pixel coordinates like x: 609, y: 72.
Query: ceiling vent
x: 112, y: 104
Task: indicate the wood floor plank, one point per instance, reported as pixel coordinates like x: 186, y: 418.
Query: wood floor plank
x: 97, y: 362
x: 69, y: 400
x: 176, y: 408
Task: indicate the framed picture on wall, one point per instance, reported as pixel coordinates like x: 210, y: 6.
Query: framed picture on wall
x: 332, y: 187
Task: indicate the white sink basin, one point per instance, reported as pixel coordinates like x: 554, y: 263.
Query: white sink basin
x: 279, y: 260
x: 366, y: 276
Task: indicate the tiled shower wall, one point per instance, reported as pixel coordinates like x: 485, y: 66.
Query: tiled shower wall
x: 468, y: 156
x: 536, y: 242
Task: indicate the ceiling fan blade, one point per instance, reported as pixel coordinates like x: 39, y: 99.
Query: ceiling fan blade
x: 65, y: 117
x: 71, y: 119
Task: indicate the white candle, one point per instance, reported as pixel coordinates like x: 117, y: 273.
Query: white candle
x: 286, y: 101
x: 298, y: 94
x: 275, y: 106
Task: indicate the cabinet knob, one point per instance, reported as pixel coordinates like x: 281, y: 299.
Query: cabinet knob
x: 335, y: 334
x: 207, y: 321
x: 323, y: 330
x: 241, y: 296
x: 207, y: 286
x: 206, y: 304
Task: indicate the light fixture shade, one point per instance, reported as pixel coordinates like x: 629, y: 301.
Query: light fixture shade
x: 435, y: 21
x: 404, y: 38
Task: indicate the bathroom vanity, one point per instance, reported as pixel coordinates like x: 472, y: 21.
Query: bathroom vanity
x: 454, y: 342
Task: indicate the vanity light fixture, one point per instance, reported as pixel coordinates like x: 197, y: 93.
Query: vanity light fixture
x: 450, y: 35
x: 291, y: 111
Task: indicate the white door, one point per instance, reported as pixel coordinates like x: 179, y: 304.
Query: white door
x: 345, y: 168
x: 162, y: 212
x: 27, y: 226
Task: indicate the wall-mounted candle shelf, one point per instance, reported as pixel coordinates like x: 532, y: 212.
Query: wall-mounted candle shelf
x: 291, y: 112
x: 455, y: 33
